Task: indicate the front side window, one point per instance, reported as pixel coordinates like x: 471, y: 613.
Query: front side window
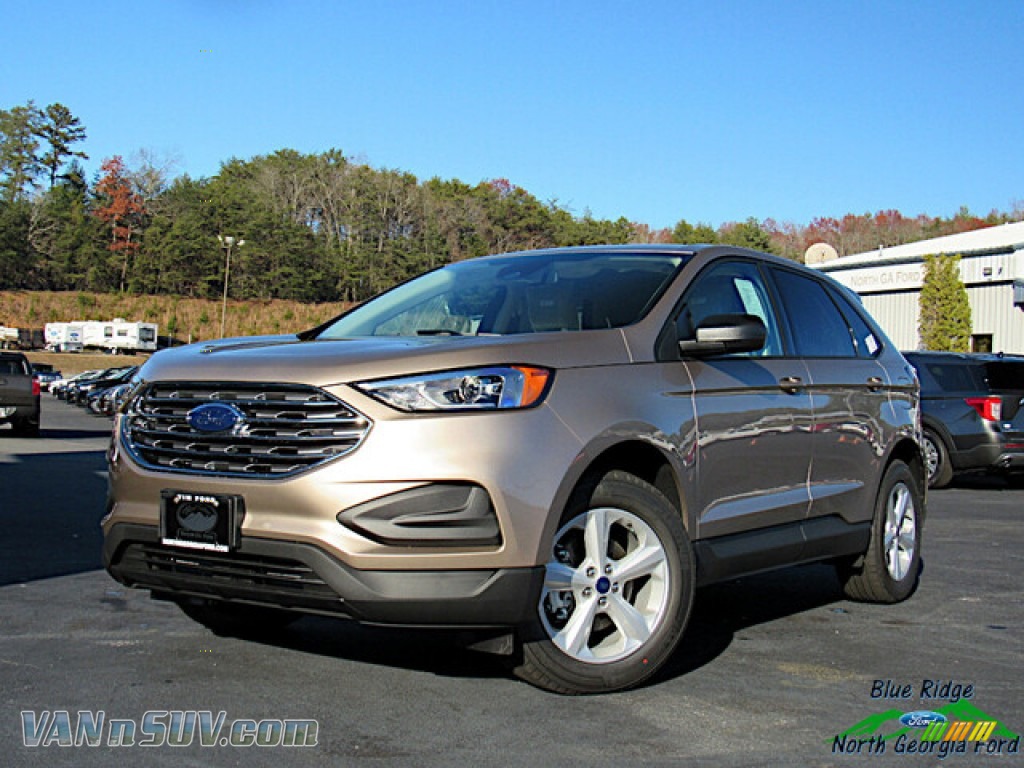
x: 729, y: 288
x: 533, y: 293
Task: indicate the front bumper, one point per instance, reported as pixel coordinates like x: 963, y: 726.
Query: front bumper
x: 302, y: 577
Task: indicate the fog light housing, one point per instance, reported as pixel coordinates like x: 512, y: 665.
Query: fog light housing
x: 435, y: 515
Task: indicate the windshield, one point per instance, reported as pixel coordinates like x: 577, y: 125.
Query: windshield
x: 517, y: 294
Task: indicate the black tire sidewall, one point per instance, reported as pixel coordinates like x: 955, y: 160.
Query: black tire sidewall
x: 898, y: 472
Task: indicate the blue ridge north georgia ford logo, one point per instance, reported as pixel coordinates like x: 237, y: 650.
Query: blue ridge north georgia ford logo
x: 214, y: 417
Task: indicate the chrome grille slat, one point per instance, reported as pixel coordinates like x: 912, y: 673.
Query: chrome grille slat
x: 334, y: 436
x: 285, y: 429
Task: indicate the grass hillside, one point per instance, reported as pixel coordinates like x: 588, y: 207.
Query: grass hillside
x: 183, y: 318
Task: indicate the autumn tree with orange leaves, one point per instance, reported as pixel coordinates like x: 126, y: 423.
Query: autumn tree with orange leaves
x: 122, y: 209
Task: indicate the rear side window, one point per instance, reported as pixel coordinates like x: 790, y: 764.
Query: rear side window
x: 951, y: 377
x: 1005, y: 375
x: 817, y: 325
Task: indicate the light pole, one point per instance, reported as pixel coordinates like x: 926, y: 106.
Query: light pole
x: 227, y: 242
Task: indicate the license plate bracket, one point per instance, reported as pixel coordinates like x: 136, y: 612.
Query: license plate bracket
x: 207, y: 521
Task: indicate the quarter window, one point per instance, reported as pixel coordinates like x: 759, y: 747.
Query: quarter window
x: 867, y: 342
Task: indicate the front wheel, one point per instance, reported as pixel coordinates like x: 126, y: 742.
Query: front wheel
x: 617, y: 593
x: 888, y: 571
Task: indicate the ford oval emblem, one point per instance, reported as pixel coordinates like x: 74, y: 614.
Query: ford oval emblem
x: 214, y: 417
x: 922, y: 718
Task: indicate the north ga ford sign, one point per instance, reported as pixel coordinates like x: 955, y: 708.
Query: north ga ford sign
x: 878, y: 279
x: 909, y: 275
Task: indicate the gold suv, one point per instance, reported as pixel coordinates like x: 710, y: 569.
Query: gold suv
x: 554, y: 448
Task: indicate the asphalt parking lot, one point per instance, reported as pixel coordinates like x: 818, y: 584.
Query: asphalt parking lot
x: 775, y: 670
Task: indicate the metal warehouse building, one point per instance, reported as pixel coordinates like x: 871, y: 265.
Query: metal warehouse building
x: 889, y: 282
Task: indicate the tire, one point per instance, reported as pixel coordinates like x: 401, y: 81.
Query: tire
x: 26, y: 428
x: 936, y: 459
x: 618, y: 592
x: 237, y: 620
x: 888, y: 572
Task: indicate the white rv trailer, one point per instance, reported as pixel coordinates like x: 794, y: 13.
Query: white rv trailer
x: 63, y: 337
x: 119, y: 335
x: 116, y: 335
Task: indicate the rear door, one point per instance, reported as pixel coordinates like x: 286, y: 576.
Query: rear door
x: 848, y: 389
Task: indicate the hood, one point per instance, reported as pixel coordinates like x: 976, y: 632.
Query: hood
x: 286, y: 359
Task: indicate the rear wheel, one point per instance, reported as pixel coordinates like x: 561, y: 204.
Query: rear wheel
x: 26, y: 428
x: 617, y: 593
x: 936, y: 458
x: 236, y: 620
x: 888, y: 571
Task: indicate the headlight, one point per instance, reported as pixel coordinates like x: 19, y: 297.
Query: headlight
x: 514, y: 386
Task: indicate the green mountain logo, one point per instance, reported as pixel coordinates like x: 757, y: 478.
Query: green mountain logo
x: 887, y: 724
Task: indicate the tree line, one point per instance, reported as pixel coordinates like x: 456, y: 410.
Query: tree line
x: 317, y: 227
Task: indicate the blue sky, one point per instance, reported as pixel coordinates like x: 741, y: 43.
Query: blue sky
x: 656, y: 111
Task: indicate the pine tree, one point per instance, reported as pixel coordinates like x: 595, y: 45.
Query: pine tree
x: 945, y: 320
x: 19, y: 163
x: 59, y: 129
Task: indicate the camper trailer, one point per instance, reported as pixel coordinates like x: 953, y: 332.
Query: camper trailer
x: 119, y: 335
x: 63, y: 337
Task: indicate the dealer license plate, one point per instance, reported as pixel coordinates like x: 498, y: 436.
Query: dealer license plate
x: 201, y: 520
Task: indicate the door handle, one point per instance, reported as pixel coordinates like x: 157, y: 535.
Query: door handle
x: 875, y: 383
x: 791, y: 384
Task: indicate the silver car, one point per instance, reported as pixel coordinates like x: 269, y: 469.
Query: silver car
x: 554, y: 448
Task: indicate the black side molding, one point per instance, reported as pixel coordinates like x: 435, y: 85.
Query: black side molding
x: 742, y: 554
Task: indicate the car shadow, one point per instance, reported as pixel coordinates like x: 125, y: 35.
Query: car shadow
x: 51, y: 528
x: 720, y: 612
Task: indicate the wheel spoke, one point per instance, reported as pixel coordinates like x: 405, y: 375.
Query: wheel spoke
x: 576, y: 634
x: 559, y: 577
x: 629, y: 621
x: 641, y: 562
x: 900, y: 536
x: 902, y: 502
x: 595, y: 536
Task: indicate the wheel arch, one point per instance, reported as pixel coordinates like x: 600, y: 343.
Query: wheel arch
x: 638, y: 457
x: 940, y: 430
x: 909, y: 452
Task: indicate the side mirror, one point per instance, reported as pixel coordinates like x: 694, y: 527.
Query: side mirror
x: 725, y: 335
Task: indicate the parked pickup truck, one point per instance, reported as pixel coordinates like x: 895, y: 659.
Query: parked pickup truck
x: 19, y: 394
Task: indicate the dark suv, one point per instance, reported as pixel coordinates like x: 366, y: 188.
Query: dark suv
x: 19, y: 394
x: 971, y: 413
x: 556, y: 447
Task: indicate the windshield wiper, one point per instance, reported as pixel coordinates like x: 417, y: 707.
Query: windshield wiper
x: 438, y: 332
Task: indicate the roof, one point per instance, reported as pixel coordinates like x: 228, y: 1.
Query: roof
x: 1004, y: 238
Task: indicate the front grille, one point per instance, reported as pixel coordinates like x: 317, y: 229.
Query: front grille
x: 256, y: 578
x: 282, y: 429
